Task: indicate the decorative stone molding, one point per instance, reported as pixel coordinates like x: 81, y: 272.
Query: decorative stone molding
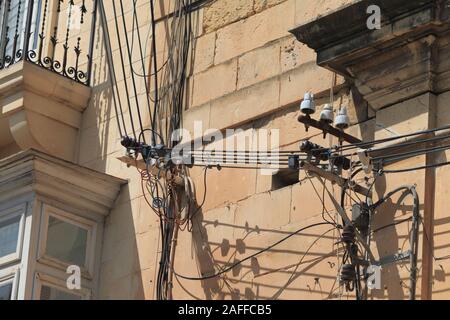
x: 77, y: 187
x: 40, y: 110
x: 402, y: 60
x: 401, y: 70
x: 39, y: 186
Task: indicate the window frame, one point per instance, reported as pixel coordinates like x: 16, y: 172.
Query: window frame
x: 10, y: 275
x: 89, y: 225
x: 8, y: 214
x: 42, y: 279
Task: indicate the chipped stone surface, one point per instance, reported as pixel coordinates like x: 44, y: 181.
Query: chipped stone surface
x: 258, y: 65
x: 294, y: 54
x: 214, y: 82
x: 204, y: 52
x: 250, y: 72
x: 261, y: 5
x: 240, y: 37
x: 308, y: 10
x: 223, y: 12
x: 265, y: 210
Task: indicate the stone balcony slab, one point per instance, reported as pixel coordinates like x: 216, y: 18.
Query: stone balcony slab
x: 403, y: 59
x: 40, y: 109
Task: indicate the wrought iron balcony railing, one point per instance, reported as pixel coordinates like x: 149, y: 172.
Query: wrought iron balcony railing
x: 57, y: 35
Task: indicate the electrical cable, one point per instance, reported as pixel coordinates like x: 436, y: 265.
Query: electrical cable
x: 245, y: 156
x: 226, y: 270
x: 167, y: 117
x: 151, y: 130
x: 407, y: 189
x: 291, y: 278
x: 322, y: 200
x: 130, y: 60
x: 410, y: 143
x: 197, y: 152
x: 112, y: 73
x: 167, y: 110
x: 391, y: 225
x: 148, y: 36
x: 431, y: 245
x: 142, y: 58
x: 379, y: 141
x: 437, y: 165
x: 220, y: 161
x: 405, y: 155
x: 192, y: 216
x: 221, y: 166
x: 155, y: 67
x: 198, y: 4
x: 123, y: 68
x: 168, y: 105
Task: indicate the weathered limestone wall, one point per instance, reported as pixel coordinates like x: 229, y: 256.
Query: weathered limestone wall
x: 441, y: 266
x: 249, y: 72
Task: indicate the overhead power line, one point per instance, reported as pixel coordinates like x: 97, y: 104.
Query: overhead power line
x: 228, y: 269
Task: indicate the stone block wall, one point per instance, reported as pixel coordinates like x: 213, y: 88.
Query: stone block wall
x: 248, y: 73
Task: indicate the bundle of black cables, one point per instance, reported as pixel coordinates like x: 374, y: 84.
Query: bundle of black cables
x: 168, y: 107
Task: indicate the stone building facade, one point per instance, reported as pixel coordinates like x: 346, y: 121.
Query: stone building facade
x: 252, y: 62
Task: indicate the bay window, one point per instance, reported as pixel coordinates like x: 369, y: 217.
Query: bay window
x: 67, y: 239
x: 52, y: 293
x: 8, y: 283
x: 11, y: 230
x: 51, y: 222
x: 6, y: 290
x: 50, y: 288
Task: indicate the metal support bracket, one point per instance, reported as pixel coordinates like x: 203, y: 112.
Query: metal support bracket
x: 393, y: 258
x: 140, y: 164
x: 326, y: 128
x: 333, y: 178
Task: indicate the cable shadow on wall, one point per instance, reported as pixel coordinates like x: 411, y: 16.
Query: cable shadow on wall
x: 252, y: 280
x: 120, y: 273
x: 391, y: 235
x: 96, y: 129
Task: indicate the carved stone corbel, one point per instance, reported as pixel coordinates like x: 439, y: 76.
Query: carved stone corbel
x: 41, y: 109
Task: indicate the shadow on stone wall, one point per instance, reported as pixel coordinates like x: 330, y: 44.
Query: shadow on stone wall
x: 124, y: 270
x: 301, y: 276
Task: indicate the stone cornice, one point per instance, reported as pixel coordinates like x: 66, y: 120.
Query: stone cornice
x: 405, y: 58
x: 41, y: 109
x: 82, y: 188
x: 28, y: 76
x: 350, y: 20
x: 345, y: 31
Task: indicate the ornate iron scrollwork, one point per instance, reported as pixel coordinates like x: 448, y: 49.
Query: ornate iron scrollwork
x: 29, y: 19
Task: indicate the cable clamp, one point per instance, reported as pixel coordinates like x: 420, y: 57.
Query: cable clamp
x: 365, y: 161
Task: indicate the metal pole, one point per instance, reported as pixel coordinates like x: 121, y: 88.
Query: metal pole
x: 414, y: 245
x: 91, y: 44
x: 27, y: 34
